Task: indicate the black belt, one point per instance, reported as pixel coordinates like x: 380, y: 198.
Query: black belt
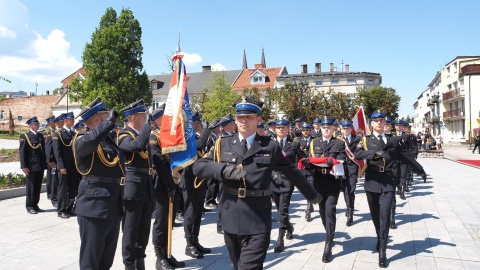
x: 379, y: 168
x: 242, y: 192
x: 103, y: 179
x: 323, y: 170
x: 138, y: 169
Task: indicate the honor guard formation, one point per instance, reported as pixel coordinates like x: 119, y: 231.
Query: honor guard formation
x: 112, y: 175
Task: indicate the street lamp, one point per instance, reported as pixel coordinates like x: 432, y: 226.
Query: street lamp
x: 303, y: 87
x: 67, y: 90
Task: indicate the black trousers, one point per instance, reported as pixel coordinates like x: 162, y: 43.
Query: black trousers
x: 160, y: 225
x: 193, y: 202
x: 282, y: 202
x: 33, y: 188
x: 328, y: 209
x: 474, y: 148
x: 179, y: 203
x: 98, y: 239
x: 136, y: 230
x: 350, y: 185
x: 212, y: 191
x: 52, y: 184
x: 380, y: 206
x: 247, y: 252
x: 67, y: 190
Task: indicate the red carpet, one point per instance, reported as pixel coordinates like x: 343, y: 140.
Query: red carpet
x: 475, y: 163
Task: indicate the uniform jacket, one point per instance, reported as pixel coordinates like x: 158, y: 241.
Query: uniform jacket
x: 62, y: 149
x: 335, y: 149
x: 297, y: 132
x: 294, y: 152
x: 32, y: 151
x: 188, y: 177
x: 316, y: 134
x: 270, y: 134
x: 138, y: 185
x: 249, y: 215
x: 50, y: 157
x: 163, y: 175
x: 98, y: 157
x: 305, y: 143
x: 375, y: 181
x: 351, y: 167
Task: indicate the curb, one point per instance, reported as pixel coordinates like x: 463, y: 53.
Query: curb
x: 17, y: 192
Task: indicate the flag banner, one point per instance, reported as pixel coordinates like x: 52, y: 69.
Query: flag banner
x: 337, y: 169
x: 176, y: 132
x: 360, y: 127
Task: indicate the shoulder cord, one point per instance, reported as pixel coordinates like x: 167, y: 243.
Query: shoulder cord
x: 30, y: 144
x: 216, y: 158
x: 143, y: 154
x: 101, y: 155
x: 312, y: 152
x: 61, y: 139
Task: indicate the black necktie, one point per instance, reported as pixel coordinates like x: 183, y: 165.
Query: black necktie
x: 325, y: 142
x: 380, y: 137
x: 281, y: 143
x: 244, y: 146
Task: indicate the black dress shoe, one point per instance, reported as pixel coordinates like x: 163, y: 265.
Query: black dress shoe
x: 179, y: 217
x: 64, y: 215
x: 38, y: 209
x: 72, y: 214
x: 219, y: 231
x: 289, y: 234
x: 174, y: 263
x: 55, y: 204
x: 32, y: 211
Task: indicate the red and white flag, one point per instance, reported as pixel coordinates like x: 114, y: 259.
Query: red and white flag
x: 360, y: 128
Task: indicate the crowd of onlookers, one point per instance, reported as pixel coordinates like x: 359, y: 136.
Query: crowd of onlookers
x: 427, y: 142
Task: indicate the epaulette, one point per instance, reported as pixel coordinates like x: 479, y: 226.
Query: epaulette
x: 226, y: 136
x: 272, y: 138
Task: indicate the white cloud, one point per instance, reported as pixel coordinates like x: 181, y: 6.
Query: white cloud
x: 7, y: 33
x: 191, y: 58
x: 27, y: 56
x: 218, y: 67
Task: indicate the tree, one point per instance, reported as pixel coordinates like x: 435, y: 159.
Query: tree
x: 218, y: 99
x: 56, y: 91
x: 336, y: 105
x: 255, y: 93
x: 113, y: 63
x: 378, y: 98
x: 11, y: 123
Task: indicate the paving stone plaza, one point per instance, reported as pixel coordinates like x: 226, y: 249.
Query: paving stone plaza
x: 438, y: 228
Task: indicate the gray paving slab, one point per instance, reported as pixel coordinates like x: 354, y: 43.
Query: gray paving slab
x: 439, y: 228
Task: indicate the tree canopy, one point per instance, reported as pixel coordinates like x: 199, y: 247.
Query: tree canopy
x: 113, y: 63
x: 385, y: 99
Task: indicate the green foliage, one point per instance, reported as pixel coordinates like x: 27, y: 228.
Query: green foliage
x: 8, y: 152
x: 385, y: 99
x: 267, y: 108
x: 216, y: 101
x: 113, y: 63
x: 2, y: 98
x: 56, y: 91
x: 12, y: 180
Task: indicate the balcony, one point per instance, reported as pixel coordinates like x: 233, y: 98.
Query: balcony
x: 435, y: 99
x: 453, y: 113
x: 452, y: 94
x: 435, y: 119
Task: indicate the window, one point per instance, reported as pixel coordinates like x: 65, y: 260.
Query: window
x: 257, y: 79
x: 351, y: 81
x: 370, y: 81
x: 318, y: 83
x: 154, y: 85
x: 334, y: 81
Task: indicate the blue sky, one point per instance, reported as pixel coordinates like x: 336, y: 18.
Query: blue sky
x: 407, y: 42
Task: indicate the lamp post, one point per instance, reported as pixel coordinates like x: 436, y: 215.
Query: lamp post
x: 303, y: 87
x: 68, y: 90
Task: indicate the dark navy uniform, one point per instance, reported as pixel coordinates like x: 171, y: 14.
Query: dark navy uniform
x: 247, y: 207
x: 68, y: 183
x: 98, y: 204
x: 32, y: 156
x: 51, y: 191
x: 282, y: 188
x: 351, y: 173
x: 194, y: 190
x: 305, y: 146
x: 138, y: 190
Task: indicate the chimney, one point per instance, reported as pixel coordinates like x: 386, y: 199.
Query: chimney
x: 347, y: 68
x: 48, y: 92
x: 331, y: 67
x: 259, y: 66
x: 318, y: 67
x: 304, y: 69
x: 206, y: 68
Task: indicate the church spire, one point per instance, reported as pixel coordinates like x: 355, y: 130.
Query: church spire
x: 264, y: 65
x: 244, y: 66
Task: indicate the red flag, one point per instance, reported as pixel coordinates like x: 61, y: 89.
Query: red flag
x: 337, y: 169
x: 360, y: 128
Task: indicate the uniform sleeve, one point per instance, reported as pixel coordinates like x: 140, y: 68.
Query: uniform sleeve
x: 202, y: 142
x: 206, y: 167
x: 361, y: 153
x: 22, y: 150
x: 294, y: 175
x: 57, y: 150
x: 44, y: 158
x: 88, y: 143
x: 341, y: 151
x: 161, y: 165
x: 128, y: 144
x: 299, y: 153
